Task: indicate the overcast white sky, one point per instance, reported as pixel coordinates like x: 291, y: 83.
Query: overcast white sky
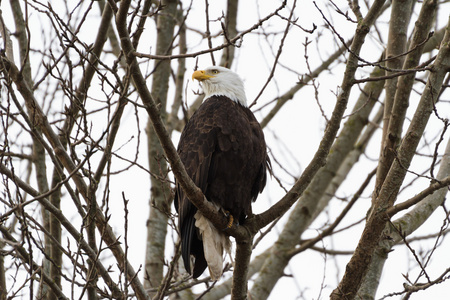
x: 293, y: 137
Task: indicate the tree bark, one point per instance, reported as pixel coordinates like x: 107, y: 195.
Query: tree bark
x: 160, y: 192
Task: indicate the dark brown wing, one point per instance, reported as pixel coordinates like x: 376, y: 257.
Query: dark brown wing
x: 224, y: 152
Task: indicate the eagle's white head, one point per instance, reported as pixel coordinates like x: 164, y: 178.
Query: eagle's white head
x: 220, y: 81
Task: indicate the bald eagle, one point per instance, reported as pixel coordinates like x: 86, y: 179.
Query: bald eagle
x: 224, y: 152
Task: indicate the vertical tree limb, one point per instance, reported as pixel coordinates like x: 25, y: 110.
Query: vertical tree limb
x: 399, y: 20
x: 230, y: 31
x: 160, y: 192
x: 241, y: 269
x: 38, y: 154
x: 359, y: 263
x: 397, y: 116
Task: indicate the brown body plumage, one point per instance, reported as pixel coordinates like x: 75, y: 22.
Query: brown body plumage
x: 224, y: 152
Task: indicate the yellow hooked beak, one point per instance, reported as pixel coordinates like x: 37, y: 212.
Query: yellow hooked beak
x: 200, y: 75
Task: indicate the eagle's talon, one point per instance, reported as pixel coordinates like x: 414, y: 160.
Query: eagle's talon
x: 230, y: 219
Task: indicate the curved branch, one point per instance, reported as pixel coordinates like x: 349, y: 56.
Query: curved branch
x: 333, y: 126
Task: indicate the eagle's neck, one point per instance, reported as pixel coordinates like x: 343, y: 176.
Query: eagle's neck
x: 233, y: 89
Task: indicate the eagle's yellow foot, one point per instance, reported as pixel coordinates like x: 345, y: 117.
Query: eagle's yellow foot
x: 230, y: 219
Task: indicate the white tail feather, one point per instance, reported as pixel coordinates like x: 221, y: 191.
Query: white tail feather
x: 214, y: 243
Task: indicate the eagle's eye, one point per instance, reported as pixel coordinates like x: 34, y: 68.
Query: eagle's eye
x: 215, y: 71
